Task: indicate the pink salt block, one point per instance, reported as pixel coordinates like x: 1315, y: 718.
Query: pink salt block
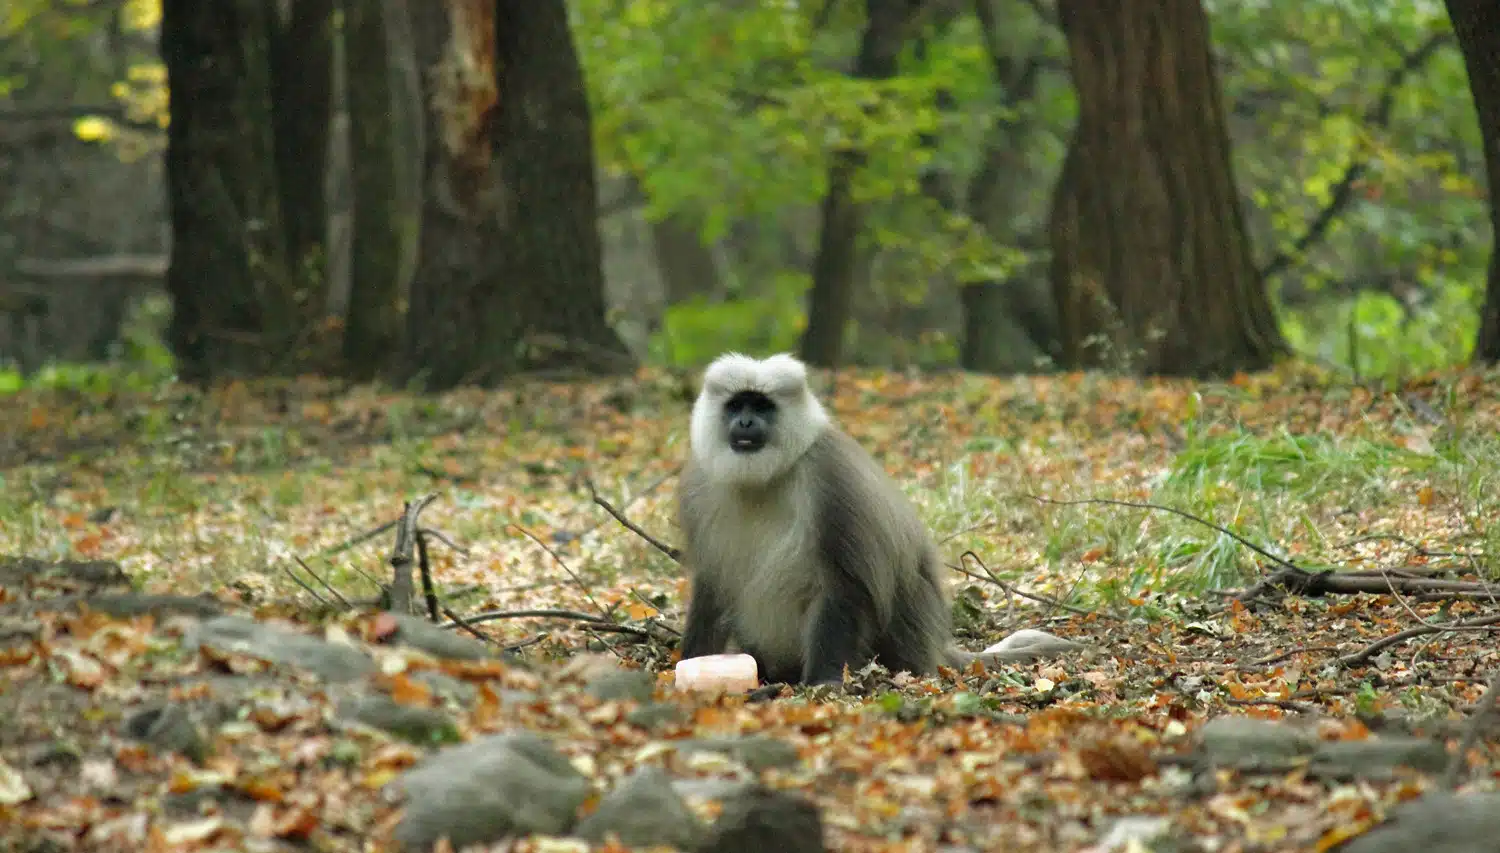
x: 729, y: 673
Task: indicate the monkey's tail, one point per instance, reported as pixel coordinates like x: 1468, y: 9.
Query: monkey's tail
x: 1023, y: 646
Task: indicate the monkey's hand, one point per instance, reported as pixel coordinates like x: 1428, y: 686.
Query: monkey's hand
x: 706, y: 632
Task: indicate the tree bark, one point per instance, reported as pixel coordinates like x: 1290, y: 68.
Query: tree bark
x: 1009, y: 326
x: 834, y: 267
x: 687, y: 267
x: 228, y: 274
x: 1477, y: 25
x: 509, y: 274
x: 301, y: 57
x: 385, y: 158
x: 1152, y: 269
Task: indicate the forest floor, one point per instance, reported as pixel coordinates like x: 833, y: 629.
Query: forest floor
x: 259, y: 496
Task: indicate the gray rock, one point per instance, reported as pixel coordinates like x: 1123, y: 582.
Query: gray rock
x: 169, y: 727
x: 1243, y: 740
x: 421, y: 726
x: 1378, y: 755
x: 760, y: 819
x: 757, y: 752
x: 655, y: 715
x: 489, y: 790
x: 644, y: 810
x: 623, y: 684
x: 330, y: 661
x: 1437, y: 823
x: 418, y: 633
x: 446, y: 686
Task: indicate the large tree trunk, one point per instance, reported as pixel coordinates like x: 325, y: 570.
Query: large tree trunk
x: 248, y: 217
x: 385, y: 158
x: 835, y: 267
x: 509, y: 263
x: 1152, y: 269
x: 228, y: 245
x: 1477, y: 25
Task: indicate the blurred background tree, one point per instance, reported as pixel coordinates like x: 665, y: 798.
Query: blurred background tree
x: 878, y: 182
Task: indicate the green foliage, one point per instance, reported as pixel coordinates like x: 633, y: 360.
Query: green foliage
x: 733, y: 114
x: 90, y: 378
x: 1308, y: 81
x: 730, y: 114
x: 696, y: 331
x: 1384, y: 338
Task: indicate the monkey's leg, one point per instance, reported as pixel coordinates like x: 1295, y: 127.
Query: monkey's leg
x: 836, y: 634
x: 706, y: 632
x: 919, y: 631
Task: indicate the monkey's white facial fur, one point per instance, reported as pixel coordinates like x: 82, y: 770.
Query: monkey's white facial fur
x: 754, y: 418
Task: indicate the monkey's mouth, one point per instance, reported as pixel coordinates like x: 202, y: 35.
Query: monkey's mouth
x: 746, y: 443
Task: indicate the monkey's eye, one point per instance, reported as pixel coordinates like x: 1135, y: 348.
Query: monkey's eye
x: 752, y: 401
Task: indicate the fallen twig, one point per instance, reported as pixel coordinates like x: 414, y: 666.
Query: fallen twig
x: 1383, y: 643
x: 1017, y: 591
x: 326, y: 585
x: 598, y: 623
x: 1280, y: 561
x: 445, y: 539
x: 564, y: 563
x: 1284, y: 704
x: 359, y: 539
x: 310, y: 591
x: 460, y: 622
x: 674, y: 553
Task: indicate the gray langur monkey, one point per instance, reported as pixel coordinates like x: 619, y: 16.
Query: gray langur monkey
x: 798, y: 543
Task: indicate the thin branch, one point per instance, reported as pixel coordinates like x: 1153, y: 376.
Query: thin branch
x: 1384, y: 643
x: 360, y: 539
x: 1280, y: 561
x: 425, y: 565
x: 561, y: 562
x: 464, y: 624
x: 326, y: 585
x: 1018, y: 592
x: 516, y: 647
x: 445, y: 539
x: 310, y: 591
x: 598, y: 623
x: 674, y: 553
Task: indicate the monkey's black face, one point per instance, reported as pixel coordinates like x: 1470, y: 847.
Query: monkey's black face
x: 748, y: 417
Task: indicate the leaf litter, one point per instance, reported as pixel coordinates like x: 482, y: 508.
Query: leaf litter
x: 221, y: 491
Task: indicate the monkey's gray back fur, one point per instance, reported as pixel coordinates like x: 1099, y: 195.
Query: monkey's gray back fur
x: 831, y: 518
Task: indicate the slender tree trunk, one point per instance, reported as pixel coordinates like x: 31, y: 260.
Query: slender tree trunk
x: 834, y: 267
x: 509, y: 271
x: 385, y: 157
x: 1152, y: 269
x: 1010, y: 326
x: 228, y: 270
x: 687, y: 267
x: 1477, y: 25
x: 301, y: 56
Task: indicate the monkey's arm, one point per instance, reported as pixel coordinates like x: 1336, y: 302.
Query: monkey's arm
x: 706, y: 632
x: 836, y: 633
x: 845, y: 616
